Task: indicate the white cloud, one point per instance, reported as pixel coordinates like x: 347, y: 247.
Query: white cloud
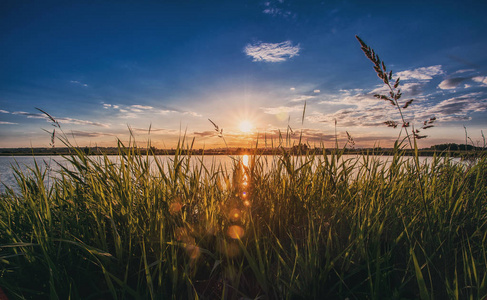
x: 281, y: 109
x: 353, y: 98
x: 464, y: 71
x: 276, y: 8
x: 136, y: 106
x: 30, y: 115
x: 316, y: 91
x: 455, y: 109
x: 292, y: 89
x: 372, y: 116
x: 60, y: 120
x: 272, y: 52
x: 81, y: 122
x: 6, y: 123
x: 139, y: 108
x: 451, y: 83
x: 425, y: 73
x: 192, y: 113
x: 3, y: 111
x: 79, y: 83
x: 79, y: 133
x: 480, y: 79
x: 302, y: 98
x: 132, y: 111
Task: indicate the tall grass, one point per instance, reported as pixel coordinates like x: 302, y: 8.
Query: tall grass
x: 313, y: 226
x: 296, y: 227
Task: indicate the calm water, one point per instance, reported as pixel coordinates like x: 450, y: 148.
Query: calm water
x: 51, y: 163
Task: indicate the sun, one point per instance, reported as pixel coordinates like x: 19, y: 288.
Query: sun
x: 245, y: 126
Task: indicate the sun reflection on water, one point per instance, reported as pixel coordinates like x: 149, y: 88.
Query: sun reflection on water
x: 245, y: 160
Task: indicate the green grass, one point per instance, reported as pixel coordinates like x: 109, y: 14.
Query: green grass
x: 314, y: 226
x: 317, y: 227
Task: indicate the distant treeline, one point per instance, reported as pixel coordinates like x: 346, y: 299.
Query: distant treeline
x: 441, y: 149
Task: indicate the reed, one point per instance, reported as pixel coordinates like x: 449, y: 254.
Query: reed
x: 313, y: 226
x: 302, y: 227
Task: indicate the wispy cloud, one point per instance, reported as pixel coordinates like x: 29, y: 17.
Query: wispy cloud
x: 451, y: 83
x: 140, y: 108
x: 366, y: 111
x: 62, y: 120
x: 480, y: 79
x: 302, y: 98
x: 155, y: 130
x: 424, y: 73
x: 79, y: 133
x: 192, y: 113
x: 281, y: 109
x: 353, y: 117
x: 133, y: 111
x: 6, y: 123
x: 30, y: 115
x: 81, y: 122
x: 144, y: 107
x: 78, y: 83
x: 456, y: 108
x: 464, y: 71
x: 3, y: 111
x: 277, y: 8
x: 204, y: 133
x: 272, y: 52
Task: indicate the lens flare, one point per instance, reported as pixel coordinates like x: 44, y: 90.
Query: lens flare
x: 193, y: 251
x: 175, y: 208
x: 235, y: 232
x: 228, y: 248
x: 235, y: 214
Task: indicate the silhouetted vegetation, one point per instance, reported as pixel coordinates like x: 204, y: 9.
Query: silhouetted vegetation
x: 306, y: 223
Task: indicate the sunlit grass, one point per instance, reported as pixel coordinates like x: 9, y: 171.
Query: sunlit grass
x: 304, y: 227
x: 310, y: 226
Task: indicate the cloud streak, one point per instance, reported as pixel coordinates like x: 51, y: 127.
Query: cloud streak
x: 272, y: 52
x: 81, y: 122
x: 456, y: 108
x: 276, y: 8
x: 131, y: 111
x: 481, y: 79
x: 281, y: 109
x: 451, y: 83
x: 62, y: 120
x: 302, y: 98
x: 424, y: 73
x: 79, y: 133
x: 78, y: 83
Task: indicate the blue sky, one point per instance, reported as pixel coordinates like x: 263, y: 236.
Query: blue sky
x: 102, y: 67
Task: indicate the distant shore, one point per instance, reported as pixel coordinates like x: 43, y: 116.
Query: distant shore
x: 453, y: 150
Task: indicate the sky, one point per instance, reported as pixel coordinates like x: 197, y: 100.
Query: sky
x: 159, y: 71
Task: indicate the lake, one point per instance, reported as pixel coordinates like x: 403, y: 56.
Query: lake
x: 225, y: 162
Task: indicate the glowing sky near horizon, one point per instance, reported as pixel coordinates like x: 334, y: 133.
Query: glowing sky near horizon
x: 102, y: 67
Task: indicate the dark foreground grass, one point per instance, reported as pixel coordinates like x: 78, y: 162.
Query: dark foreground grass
x: 295, y: 227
